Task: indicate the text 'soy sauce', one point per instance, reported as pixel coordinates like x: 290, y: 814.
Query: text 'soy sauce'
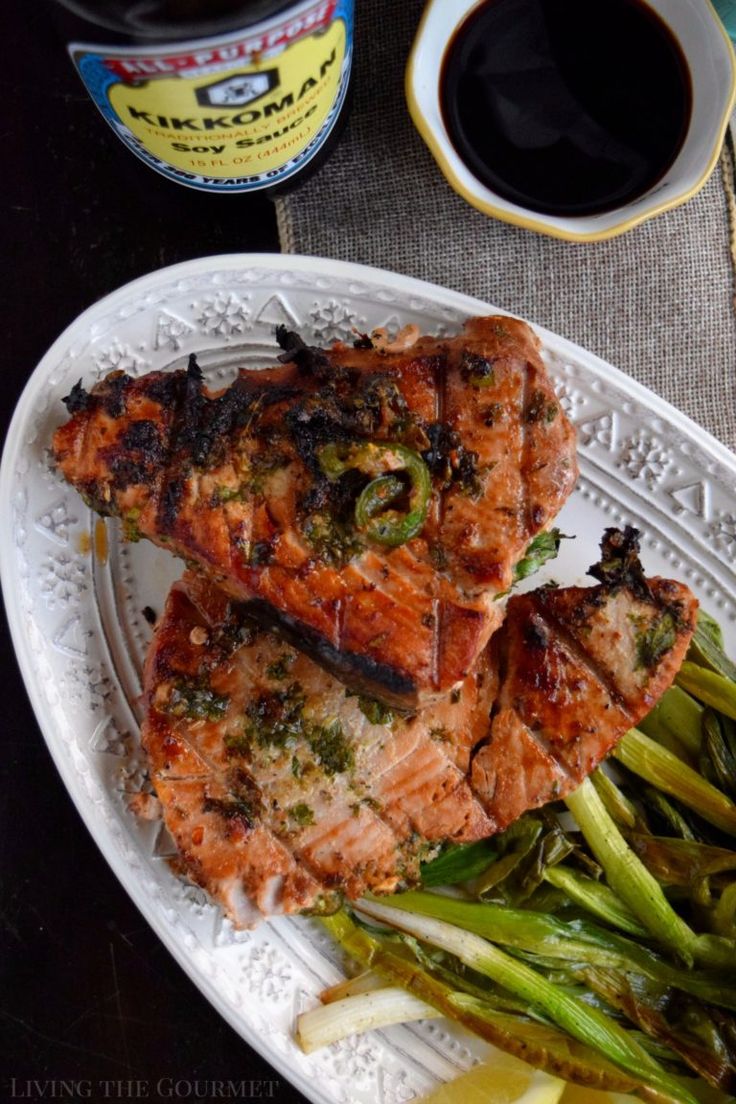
x: 223, y: 96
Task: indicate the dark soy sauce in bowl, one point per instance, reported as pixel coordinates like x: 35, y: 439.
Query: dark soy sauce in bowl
x: 566, y: 107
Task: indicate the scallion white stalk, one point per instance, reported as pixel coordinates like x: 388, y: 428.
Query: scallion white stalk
x: 328, y: 1023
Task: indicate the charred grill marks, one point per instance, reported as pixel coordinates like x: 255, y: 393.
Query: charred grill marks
x: 600, y: 673
x: 364, y: 824
x: 358, y: 670
x: 186, y: 467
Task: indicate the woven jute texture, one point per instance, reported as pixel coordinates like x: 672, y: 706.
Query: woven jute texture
x: 657, y: 302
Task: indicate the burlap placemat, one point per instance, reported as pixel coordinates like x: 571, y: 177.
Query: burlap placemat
x: 657, y: 302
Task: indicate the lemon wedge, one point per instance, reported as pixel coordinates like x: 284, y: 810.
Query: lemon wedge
x: 501, y: 1079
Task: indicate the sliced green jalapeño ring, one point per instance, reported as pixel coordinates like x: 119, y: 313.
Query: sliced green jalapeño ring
x: 386, y: 462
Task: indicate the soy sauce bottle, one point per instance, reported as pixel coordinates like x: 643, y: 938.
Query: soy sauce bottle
x: 219, y: 95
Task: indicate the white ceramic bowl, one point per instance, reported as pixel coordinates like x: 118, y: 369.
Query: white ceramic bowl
x: 712, y: 65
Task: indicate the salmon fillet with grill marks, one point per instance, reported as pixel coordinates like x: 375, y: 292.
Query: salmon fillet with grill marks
x: 285, y: 791
x: 579, y: 667
x: 235, y: 483
x: 281, y: 788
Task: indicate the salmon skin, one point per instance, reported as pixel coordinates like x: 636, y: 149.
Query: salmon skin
x: 285, y: 791
x: 234, y: 482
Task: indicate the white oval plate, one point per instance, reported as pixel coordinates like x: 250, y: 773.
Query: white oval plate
x: 80, y: 635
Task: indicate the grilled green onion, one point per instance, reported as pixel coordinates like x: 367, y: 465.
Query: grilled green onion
x: 664, y: 770
x: 709, y: 687
x: 583, y: 1022
x: 630, y: 879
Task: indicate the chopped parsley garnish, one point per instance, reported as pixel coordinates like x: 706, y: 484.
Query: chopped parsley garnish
x: 131, y: 532
x: 330, y: 746
x: 196, y: 701
x: 654, y: 640
x: 242, y: 803
x: 275, y: 718
x: 544, y: 547
x: 261, y: 553
x: 375, y: 711
x: 333, y: 541
x: 226, y: 494
x: 302, y: 814
x: 279, y: 669
x: 540, y: 409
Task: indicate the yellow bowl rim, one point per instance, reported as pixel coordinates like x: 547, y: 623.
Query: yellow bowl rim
x: 436, y: 148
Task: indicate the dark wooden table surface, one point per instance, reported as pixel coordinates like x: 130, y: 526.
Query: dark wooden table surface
x: 88, y: 994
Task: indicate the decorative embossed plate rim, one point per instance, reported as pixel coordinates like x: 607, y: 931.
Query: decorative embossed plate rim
x: 80, y: 638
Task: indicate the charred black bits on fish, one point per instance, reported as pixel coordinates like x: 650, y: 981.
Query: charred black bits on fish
x: 112, y: 393
x: 335, y: 499
x: 345, y: 412
x: 309, y: 359
x: 171, y: 497
x: 166, y: 388
x: 449, y: 462
x: 144, y: 436
x: 261, y: 553
x: 315, y: 422
x: 77, y: 399
x: 206, y: 425
x: 139, y: 455
x: 477, y: 370
x: 363, y: 341
x: 535, y: 634
x: 467, y: 473
x: 443, y: 443
x: 619, y: 564
x: 492, y: 413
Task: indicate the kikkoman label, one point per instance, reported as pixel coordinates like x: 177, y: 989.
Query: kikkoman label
x: 232, y: 114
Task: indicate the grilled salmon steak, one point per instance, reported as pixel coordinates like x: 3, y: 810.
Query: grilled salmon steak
x: 285, y: 791
x: 368, y: 503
